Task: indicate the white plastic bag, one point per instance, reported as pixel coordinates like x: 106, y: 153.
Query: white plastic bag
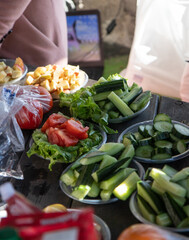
x: 157, y: 56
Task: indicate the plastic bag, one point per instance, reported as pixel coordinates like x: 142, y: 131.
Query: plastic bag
x: 185, y: 84
x: 12, y: 99
x: 157, y: 56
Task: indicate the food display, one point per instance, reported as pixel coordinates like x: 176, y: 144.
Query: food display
x: 159, y: 140
x: 9, y: 73
x: 102, y: 176
x: 163, y: 198
x: 64, y: 139
x: 57, y: 79
x: 108, y: 100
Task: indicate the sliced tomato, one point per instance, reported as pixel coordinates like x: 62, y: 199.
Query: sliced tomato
x: 75, y: 128
x: 54, y: 120
x: 61, y: 137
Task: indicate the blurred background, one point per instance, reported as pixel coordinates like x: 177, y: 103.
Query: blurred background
x: 117, y: 29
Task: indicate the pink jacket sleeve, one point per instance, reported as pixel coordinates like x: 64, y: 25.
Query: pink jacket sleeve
x: 10, y: 11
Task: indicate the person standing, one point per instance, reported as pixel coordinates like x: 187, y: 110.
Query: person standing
x: 35, y: 30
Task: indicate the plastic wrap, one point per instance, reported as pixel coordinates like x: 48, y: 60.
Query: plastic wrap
x: 12, y: 100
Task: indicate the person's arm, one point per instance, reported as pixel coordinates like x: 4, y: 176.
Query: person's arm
x: 10, y: 11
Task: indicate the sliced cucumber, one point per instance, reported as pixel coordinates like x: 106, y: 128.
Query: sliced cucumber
x: 160, y: 136
x: 141, y: 101
x: 107, y: 160
x: 170, y: 171
x: 146, y: 211
x: 162, y: 117
x: 180, y: 131
x: 153, y: 199
x: 163, y: 126
x: 164, y: 220
x: 112, y: 148
x: 144, y: 151
x: 163, y: 144
x: 181, y: 175
x: 127, y: 187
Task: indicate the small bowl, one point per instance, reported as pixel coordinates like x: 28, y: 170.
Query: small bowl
x: 134, y: 128
x: 10, y: 63
x: 124, y: 119
x: 137, y: 214
x: 68, y: 189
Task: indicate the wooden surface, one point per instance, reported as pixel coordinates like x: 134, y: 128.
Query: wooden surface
x: 41, y: 186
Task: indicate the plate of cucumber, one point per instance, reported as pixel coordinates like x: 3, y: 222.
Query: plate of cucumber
x: 96, y: 178
x: 162, y: 198
x: 160, y: 140
x: 135, y: 108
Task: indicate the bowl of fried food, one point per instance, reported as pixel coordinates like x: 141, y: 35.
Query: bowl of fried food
x: 57, y: 79
x: 12, y: 71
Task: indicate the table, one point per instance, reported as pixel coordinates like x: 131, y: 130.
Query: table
x: 41, y: 186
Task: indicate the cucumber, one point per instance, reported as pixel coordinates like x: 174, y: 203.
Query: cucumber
x: 141, y: 129
x: 173, y: 209
x: 180, y: 146
x: 102, y: 173
x: 126, y: 141
x: 162, y: 117
x: 84, y: 182
x: 184, y: 223
x: 174, y: 138
x: 163, y: 126
x: 164, y: 220
x: 148, y: 130
x: 186, y: 210
x: 127, y: 187
x: 112, y: 148
x: 145, y: 141
x: 170, y: 171
x: 179, y: 200
x: 164, y: 181
x: 185, y: 184
x: 153, y: 199
x: 107, y: 160
x: 91, y: 160
x: 130, y: 96
x: 113, y: 114
x: 68, y: 178
x: 106, y: 194
x: 157, y: 188
x: 141, y: 101
x: 120, y: 104
x: 129, y: 153
x: 163, y: 144
x: 180, y: 131
x: 161, y: 136
x: 101, y: 79
x: 147, y: 212
x: 181, y: 175
x: 112, y: 85
x: 103, y: 95
x: 144, y: 151
x: 116, y: 179
x: 95, y: 190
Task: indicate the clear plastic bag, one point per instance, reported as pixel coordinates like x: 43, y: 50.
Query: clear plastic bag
x: 12, y: 100
x: 157, y: 57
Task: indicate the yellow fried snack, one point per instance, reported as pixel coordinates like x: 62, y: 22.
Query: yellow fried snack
x: 56, y: 79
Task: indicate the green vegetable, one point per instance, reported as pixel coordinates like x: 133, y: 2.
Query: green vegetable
x: 55, y: 153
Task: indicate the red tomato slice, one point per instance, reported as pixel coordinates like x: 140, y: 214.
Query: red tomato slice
x: 54, y: 120
x: 61, y: 137
x: 44, y: 97
x: 30, y: 115
x: 75, y: 128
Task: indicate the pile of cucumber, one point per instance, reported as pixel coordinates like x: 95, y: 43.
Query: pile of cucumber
x: 117, y: 99
x: 160, y: 140
x: 163, y: 198
x: 103, y: 173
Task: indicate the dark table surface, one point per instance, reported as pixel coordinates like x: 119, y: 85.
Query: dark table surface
x: 41, y: 186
